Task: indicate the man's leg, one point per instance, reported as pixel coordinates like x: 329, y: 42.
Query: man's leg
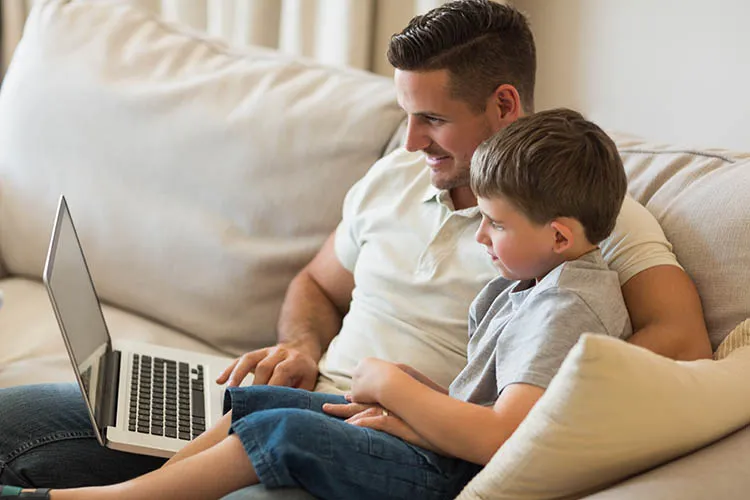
x: 46, y: 441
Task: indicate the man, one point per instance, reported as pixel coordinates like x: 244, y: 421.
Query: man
x: 463, y: 71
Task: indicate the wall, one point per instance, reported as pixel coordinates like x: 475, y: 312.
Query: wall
x: 669, y: 70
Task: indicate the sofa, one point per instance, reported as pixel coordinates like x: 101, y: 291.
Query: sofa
x: 203, y: 177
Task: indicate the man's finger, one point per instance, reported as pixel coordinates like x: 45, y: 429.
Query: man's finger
x: 225, y: 374
x: 283, y: 374
x: 265, y: 366
x: 245, y: 365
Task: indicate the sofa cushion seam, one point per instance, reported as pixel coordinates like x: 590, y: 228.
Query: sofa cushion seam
x: 680, y: 151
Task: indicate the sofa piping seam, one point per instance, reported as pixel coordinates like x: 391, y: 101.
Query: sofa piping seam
x: 679, y: 151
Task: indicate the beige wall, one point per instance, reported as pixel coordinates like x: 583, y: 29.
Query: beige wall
x: 671, y: 70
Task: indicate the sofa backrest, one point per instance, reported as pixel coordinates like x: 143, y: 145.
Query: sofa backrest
x: 201, y: 178
x: 699, y: 196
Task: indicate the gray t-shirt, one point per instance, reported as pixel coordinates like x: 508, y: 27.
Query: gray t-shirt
x: 520, y: 332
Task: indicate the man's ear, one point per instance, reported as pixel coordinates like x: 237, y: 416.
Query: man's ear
x: 507, y: 102
x: 563, y: 234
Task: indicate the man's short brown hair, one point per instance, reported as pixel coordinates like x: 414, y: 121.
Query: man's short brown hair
x: 482, y: 44
x: 554, y: 164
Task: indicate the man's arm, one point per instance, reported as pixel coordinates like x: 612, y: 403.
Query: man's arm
x: 666, y: 313
x: 316, y: 301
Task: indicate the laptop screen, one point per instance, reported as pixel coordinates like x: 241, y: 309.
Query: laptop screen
x: 77, y: 308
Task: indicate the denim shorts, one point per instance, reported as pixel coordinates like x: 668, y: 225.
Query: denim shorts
x: 292, y: 443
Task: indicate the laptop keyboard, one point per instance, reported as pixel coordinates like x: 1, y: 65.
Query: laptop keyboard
x: 166, y: 398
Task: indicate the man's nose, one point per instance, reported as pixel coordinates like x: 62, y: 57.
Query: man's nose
x: 416, y: 139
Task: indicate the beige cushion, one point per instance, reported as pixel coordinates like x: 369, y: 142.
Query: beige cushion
x: 32, y: 347
x: 739, y: 337
x: 613, y: 410
x: 700, y: 200
x: 201, y: 178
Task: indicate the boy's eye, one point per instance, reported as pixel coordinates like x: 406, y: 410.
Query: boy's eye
x: 493, y: 224
x: 433, y: 119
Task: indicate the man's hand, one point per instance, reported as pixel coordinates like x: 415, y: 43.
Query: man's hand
x: 370, y: 376
x: 277, y: 365
x: 374, y: 417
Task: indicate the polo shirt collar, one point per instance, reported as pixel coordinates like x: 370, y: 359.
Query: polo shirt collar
x: 431, y: 193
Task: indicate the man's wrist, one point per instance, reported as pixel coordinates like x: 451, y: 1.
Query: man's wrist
x: 306, y: 345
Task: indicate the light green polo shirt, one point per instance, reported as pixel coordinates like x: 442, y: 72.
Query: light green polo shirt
x: 417, y: 268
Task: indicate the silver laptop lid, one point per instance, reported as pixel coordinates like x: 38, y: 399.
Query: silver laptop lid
x: 79, y: 314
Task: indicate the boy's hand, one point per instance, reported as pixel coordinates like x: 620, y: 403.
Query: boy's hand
x: 370, y: 377
x: 374, y: 417
x: 278, y: 365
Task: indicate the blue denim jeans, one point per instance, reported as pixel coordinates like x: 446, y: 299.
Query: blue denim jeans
x: 291, y: 442
x: 46, y: 441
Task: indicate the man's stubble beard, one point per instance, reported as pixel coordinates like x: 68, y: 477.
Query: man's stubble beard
x: 459, y: 179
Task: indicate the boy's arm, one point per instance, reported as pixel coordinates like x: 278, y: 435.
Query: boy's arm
x: 464, y: 430
x: 422, y: 378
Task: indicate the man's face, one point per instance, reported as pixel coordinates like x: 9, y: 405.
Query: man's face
x: 447, y: 130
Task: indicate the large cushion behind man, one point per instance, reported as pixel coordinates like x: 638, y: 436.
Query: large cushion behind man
x: 201, y: 178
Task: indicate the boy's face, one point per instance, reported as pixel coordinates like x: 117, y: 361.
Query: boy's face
x: 519, y: 248
x: 446, y: 129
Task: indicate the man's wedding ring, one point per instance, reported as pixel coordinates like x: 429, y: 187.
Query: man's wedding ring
x: 385, y: 412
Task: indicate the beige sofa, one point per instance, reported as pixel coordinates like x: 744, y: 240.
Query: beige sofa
x: 202, y: 178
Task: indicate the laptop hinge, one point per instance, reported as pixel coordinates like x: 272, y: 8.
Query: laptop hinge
x: 111, y: 377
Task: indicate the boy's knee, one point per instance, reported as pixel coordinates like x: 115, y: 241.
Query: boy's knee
x: 288, y: 433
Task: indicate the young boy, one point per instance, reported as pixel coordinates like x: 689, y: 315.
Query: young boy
x: 549, y: 188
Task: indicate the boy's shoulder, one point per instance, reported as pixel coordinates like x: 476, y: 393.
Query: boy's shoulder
x: 589, y: 270
x: 590, y: 280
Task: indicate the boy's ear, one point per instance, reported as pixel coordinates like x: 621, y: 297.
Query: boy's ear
x: 563, y: 234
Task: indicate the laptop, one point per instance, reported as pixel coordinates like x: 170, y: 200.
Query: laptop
x: 141, y: 398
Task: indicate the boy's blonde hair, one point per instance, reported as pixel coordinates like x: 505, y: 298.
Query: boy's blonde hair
x: 554, y: 164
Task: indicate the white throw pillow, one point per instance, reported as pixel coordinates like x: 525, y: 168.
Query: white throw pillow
x: 201, y: 178
x: 615, y: 409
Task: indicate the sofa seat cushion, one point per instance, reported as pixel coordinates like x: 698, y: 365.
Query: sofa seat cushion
x: 717, y: 471
x: 31, y: 347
